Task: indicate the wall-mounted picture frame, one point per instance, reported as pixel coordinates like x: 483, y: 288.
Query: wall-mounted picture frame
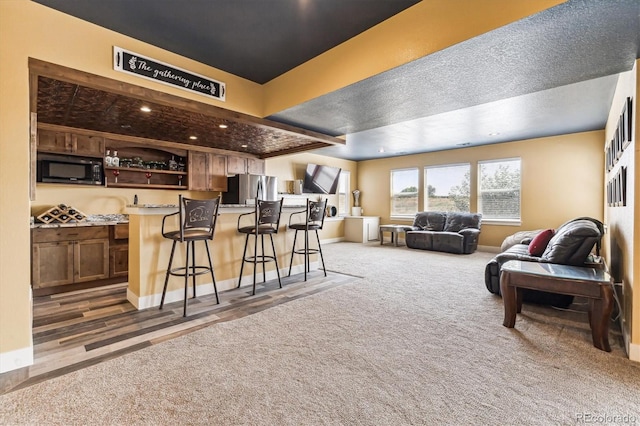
x: 628, y: 122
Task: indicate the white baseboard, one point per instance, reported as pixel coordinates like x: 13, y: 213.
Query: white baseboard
x: 634, y: 352
x: 207, y: 288
x: 13, y: 360
x: 489, y: 249
x: 332, y: 240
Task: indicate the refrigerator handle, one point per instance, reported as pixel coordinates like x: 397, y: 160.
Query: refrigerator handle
x: 259, y: 190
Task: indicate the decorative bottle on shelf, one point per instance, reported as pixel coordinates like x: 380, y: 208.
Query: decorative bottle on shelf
x: 173, y: 165
x: 108, y: 160
x: 115, y: 161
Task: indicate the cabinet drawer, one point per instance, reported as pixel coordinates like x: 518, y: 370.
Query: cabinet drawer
x: 121, y: 231
x: 46, y: 235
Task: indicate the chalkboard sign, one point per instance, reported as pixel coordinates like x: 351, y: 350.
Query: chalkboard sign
x: 132, y: 63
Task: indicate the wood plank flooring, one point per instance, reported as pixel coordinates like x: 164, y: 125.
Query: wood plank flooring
x: 82, y: 328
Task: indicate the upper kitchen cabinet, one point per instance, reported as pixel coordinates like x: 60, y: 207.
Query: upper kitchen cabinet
x: 255, y: 166
x: 240, y: 165
x: 236, y: 165
x: 64, y: 142
x: 207, y: 171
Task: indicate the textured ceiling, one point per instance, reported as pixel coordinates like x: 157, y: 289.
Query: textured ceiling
x: 74, y: 105
x: 540, y: 76
x: 551, y: 73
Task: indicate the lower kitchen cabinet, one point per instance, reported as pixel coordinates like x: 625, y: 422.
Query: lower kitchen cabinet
x: 119, y: 250
x: 66, y: 256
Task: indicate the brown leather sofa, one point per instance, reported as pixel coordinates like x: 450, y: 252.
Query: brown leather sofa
x: 451, y: 232
x: 571, y: 244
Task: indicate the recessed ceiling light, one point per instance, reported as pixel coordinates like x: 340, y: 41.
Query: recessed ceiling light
x: 193, y: 138
x: 494, y: 133
x: 145, y: 109
x: 223, y: 126
x: 244, y: 145
x: 381, y: 149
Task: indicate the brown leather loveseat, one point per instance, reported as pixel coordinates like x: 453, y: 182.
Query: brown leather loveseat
x: 451, y: 232
x: 570, y: 244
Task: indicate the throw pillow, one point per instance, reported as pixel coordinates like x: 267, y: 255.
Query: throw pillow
x: 540, y: 241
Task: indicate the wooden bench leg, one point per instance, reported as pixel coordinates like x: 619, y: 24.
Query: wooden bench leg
x: 599, y: 317
x: 510, y: 300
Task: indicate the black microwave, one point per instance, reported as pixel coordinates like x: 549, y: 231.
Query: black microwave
x: 55, y: 168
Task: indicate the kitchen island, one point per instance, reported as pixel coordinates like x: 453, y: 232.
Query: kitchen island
x: 149, y: 252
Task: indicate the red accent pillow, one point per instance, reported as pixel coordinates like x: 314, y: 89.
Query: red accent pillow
x: 540, y: 241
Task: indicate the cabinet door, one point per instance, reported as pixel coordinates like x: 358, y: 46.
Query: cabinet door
x: 54, y: 141
x: 88, y: 145
x: 372, y: 228
x: 91, y: 260
x: 119, y: 260
x: 255, y: 166
x: 218, y: 172
x: 236, y: 165
x: 52, y: 264
x: 198, y: 171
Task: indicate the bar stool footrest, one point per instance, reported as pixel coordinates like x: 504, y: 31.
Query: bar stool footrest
x: 200, y: 270
x: 260, y: 259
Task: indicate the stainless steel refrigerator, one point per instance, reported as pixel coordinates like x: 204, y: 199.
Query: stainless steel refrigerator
x: 243, y: 189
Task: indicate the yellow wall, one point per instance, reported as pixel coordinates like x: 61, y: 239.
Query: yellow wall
x: 28, y: 29
x: 561, y: 180
x: 624, y: 221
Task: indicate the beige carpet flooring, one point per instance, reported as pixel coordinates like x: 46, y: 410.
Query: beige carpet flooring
x: 416, y: 341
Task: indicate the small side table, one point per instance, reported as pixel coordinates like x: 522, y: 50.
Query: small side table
x: 394, y: 230
x: 594, y: 284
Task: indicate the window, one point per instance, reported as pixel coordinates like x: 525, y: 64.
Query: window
x: 404, y: 192
x: 499, y: 189
x: 343, y: 192
x: 447, y: 188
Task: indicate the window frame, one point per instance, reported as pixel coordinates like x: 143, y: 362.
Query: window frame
x: 442, y: 166
x: 345, y: 175
x: 393, y: 214
x: 498, y: 221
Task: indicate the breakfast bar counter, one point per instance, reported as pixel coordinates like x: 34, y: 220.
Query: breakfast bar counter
x: 149, y: 252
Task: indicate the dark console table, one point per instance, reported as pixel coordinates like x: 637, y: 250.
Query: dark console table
x: 594, y: 284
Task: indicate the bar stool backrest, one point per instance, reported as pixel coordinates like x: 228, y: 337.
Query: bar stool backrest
x: 199, y: 215
x: 316, y: 211
x: 268, y: 214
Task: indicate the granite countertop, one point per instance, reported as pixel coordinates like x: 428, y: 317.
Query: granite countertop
x: 91, y: 220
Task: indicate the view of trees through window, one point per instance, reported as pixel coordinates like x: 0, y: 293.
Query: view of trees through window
x: 499, y: 189
x: 447, y: 187
x: 404, y: 192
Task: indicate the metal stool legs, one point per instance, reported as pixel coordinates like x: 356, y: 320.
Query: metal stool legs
x: 189, y: 271
x: 262, y: 258
x: 307, y: 252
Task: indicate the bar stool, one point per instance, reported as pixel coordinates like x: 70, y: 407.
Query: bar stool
x: 315, y: 213
x: 197, y: 220
x: 266, y: 222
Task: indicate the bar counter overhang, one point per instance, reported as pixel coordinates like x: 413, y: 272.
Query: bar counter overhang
x: 149, y: 254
